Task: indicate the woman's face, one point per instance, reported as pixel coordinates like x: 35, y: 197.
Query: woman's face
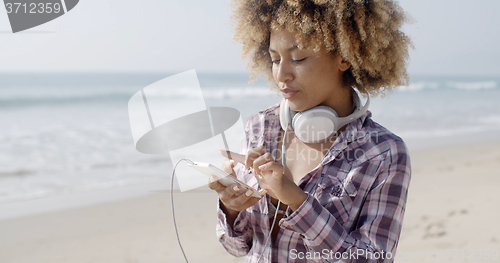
x: 306, y: 78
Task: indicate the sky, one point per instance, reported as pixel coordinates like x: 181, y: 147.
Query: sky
x: 451, y: 37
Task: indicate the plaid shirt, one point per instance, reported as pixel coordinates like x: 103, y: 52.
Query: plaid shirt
x: 355, y: 205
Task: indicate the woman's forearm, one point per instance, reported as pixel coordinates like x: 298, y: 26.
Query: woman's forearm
x: 231, y: 215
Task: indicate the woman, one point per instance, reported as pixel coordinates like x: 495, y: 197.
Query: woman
x: 338, y: 199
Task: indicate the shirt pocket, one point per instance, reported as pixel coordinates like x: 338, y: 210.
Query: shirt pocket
x: 336, y: 194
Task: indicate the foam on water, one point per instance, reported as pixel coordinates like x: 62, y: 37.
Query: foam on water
x: 472, y: 85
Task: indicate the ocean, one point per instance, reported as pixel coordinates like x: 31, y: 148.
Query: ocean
x: 66, y: 133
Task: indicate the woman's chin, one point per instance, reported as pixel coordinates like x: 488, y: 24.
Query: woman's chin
x: 297, y: 106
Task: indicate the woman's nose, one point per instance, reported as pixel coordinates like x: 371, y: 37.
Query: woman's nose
x: 284, y: 72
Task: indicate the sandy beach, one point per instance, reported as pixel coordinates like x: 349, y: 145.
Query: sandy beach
x: 452, y: 215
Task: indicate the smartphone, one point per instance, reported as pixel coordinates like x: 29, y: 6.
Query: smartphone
x: 223, y: 177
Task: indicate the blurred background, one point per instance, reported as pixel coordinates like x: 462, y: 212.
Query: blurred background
x: 65, y: 85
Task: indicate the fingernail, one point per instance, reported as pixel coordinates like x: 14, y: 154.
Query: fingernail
x: 248, y: 193
x: 263, y: 191
x: 236, y: 188
x: 232, y: 162
x: 212, y: 178
x: 262, y: 167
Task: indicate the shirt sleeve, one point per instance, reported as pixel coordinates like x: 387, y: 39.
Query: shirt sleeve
x: 236, y: 239
x: 376, y: 233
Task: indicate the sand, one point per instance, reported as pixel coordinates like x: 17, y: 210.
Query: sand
x: 452, y: 214
x: 453, y: 205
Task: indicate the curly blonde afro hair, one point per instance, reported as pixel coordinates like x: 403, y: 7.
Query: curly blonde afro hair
x: 364, y: 32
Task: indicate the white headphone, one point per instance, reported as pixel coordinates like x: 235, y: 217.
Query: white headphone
x: 318, y: 123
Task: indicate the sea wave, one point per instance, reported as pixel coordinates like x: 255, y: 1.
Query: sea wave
x: 34, y: 96
x: 29, y: 98
x: 32, y: 100
x: 218, y: 93
x: 452, y: 85
x: 418, y: 86
x: 479, y: 85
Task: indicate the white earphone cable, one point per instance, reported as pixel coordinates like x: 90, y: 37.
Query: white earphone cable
x: 283, y: 162
x: 172, y: 202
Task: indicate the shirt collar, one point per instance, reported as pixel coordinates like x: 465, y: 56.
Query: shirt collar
x: 353, y: 129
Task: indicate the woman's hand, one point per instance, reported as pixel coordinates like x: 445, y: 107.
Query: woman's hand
x: 232, y: 202
x: 269, y: 174
x: 273, y: 179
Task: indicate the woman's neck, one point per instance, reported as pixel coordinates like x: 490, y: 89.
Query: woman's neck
x: 342, y: 102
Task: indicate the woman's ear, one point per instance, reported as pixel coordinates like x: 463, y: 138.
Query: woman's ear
x: 344, y: 65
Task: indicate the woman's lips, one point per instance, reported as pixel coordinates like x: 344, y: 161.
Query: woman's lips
x: 288, y: 93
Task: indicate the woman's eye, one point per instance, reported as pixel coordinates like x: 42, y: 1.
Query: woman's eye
x: 299, y: 60
x: 277, y: 61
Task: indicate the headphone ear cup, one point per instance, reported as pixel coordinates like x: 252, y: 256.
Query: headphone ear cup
x: 284, y: 114
x: 315, y: 125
